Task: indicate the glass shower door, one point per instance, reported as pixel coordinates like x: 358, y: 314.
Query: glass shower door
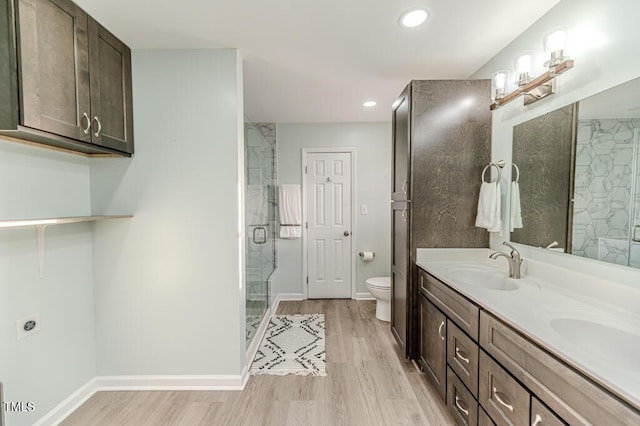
x: 260, y: 216
x: 634, y: 222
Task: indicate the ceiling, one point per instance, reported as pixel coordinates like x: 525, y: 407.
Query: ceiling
x: 317, y: 61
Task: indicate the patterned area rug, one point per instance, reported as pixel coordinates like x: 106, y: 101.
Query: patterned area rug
x: 293, y: 344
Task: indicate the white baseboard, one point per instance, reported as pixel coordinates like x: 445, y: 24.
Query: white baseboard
x: 189, y: 382
x: 283, y: 297
x: 69, y: 405
x: 364, y: 296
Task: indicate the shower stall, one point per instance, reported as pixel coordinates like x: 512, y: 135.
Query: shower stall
x: 260, y: 220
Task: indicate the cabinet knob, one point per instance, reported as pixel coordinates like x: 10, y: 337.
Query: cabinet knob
x: 97, y: 133
x: 86, y: 129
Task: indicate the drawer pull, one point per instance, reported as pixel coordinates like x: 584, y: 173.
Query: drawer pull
x: 501, y: 401
x: 466, y: 412
x: 537, y: 421
x: 440, y: 330
x: 459, y: 354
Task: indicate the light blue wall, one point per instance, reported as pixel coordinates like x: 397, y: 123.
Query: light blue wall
x: 168, y: 293
x: 45, y: 368
x: 604, y: 43
x: 372, y: 142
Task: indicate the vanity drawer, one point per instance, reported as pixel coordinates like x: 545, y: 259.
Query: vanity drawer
x: 464, y: 313
x: 461, y: 403
x: 462, y: 357
x: 542, y: 416
x: 506, y: 402
x: 576, y: 399
x: 484, y: 419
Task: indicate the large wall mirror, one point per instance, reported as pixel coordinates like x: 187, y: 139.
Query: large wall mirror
x: 579, y: 177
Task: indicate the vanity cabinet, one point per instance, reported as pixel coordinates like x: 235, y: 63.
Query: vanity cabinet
x: 433, y: 332
x: 66, y: 79
x: 497, y: 376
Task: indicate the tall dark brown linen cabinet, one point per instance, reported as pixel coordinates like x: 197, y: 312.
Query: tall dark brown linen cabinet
x: 441, y: 142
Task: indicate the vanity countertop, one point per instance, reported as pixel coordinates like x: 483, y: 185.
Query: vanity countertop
x: 562, y: 310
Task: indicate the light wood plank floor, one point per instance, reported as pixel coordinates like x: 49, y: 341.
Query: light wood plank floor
x: 368, y: 383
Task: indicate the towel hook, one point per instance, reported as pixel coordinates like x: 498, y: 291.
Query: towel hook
x: 517, y: 172
x: 498, y: 165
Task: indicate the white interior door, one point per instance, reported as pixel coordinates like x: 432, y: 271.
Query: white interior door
x: 328, y: 191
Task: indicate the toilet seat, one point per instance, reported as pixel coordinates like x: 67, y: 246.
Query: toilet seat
x: 381, y: 283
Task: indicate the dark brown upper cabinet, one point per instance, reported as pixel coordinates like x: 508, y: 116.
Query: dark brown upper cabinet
x: 67, y: 80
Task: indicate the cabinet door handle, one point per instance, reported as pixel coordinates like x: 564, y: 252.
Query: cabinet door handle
x: 97, y: 133
x: 404, y: 214
x: 86, y: 129
x: 440, y: 330
x: 459, y: 354
x: 501, y: 401
x: 466, y: 412
x: 537, y: 420
x: 404, y: 186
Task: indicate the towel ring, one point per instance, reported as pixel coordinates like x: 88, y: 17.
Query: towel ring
x: 517, y: 172
x: 499, y: 165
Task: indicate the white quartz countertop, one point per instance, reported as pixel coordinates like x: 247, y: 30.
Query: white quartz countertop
x: 592, y: 324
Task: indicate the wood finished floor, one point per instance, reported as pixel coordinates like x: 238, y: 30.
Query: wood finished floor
x: 368, y: 383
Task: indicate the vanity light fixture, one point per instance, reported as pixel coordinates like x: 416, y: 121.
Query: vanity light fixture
x: 413, y: 17
x: 369, y: 104
x: 541, y: 86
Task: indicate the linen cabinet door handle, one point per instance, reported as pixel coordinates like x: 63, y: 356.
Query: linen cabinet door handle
x: 97, y: 133
x: 466, y: 412
x: 404, y: 186
x: 440, y: 330
x: 459, y: 354
x: 86, y: 129
x: 501, y: 401
x: 404, y: 214
x: 537, y: 421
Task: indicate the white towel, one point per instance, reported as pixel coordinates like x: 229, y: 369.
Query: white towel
x: 489, y: 210
x: 290, y: 212
x: 257, y: 212
x: 515, y: 211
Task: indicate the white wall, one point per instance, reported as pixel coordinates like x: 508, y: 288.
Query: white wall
x: 372, y: 142
x: 168, y: 294
x: 604, y: 43
x: 46, y: 367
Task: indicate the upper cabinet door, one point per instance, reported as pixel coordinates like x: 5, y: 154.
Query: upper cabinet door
x: 54, y: 68
x: 111, y: 98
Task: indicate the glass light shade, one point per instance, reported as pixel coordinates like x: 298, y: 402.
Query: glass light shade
x: 523, y: 68
x: 555, y: 45
x: 499, y: 85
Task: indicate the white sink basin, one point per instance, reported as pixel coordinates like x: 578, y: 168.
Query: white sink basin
x: 613, y: 344
x: 481, y: 276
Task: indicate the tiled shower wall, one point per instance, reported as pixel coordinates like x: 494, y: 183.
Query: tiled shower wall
x: 604, y: 191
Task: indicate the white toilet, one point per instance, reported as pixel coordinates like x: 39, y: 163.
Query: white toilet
x: 380, y: 288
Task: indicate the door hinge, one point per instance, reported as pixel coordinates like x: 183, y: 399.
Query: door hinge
x: 305, y: 170
x: 306, y: 225
x: 307, y: 279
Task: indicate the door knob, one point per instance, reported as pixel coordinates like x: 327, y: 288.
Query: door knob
x: 346, y: 233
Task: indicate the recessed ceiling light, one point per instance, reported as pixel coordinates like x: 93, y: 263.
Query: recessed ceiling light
x: 369, y: 104
x: 414, y: 17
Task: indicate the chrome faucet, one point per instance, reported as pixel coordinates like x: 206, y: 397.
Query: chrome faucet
x: 514, y: 260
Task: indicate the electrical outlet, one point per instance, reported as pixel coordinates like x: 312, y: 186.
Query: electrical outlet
x: 28, y: 325
x: 364, y: 209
